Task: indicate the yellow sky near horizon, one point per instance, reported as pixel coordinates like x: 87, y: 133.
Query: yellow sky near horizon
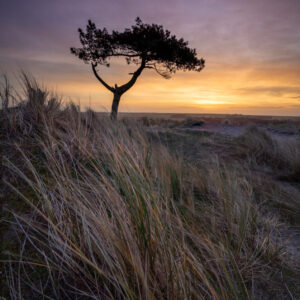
x: 245, y: 89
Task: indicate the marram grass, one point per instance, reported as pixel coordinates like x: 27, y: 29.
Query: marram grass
x: 111, y: 214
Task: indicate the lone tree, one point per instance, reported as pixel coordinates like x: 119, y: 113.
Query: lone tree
x: 148, y: 46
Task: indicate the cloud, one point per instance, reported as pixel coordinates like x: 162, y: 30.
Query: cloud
x: 252, y: 48
x: 277, y: 91
x: 296, y: 97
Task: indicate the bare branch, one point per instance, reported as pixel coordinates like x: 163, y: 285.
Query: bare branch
x: 126, y: 55
x: 164, y: 74
x: 100, y: 79
x: 133, y: 79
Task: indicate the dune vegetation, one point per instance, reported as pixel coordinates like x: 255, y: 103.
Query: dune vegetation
x: 96, y: 209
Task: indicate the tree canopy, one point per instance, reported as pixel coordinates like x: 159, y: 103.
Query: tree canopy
x: 148, y: 45
x: 147, y: 42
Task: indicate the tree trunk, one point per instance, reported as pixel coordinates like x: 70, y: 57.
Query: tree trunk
x: 115, y: 106
x: 119, y: 91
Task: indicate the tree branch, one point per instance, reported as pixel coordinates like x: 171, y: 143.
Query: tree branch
x: 100, y: 79
x: 146, y: 67
x: 123, y: 54
x: 164, y: 74
x: 133, y: 79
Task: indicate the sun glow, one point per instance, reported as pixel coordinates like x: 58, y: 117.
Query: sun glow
x: 211, y: 102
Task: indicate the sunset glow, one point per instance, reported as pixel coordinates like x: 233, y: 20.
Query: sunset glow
x: 251, y: 48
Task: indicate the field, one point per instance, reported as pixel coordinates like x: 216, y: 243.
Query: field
x: 154, y: 206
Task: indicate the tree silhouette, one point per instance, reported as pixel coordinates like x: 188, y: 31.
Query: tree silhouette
x: 147, y: 45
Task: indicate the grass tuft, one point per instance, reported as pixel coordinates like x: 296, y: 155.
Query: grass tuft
x: 113, y: 213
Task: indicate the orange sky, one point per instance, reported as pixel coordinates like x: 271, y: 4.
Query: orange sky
x: 245, y: 89
x: 251, y: 48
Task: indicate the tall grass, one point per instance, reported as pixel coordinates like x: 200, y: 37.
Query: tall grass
x: 113, y: 216
x: 261, y: 148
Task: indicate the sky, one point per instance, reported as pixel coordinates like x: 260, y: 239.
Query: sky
x: 251, y: 49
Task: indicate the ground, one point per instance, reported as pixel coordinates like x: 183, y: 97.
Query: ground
x: 217, y: 196
x: 205, y: 136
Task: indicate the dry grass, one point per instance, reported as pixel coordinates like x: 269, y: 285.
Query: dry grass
x: 112, y: 215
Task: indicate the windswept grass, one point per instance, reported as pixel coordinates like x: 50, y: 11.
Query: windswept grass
x: 112, y: 215
x: 261, y: 148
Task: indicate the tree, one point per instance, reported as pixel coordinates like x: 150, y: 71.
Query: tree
x: 147, y: 45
